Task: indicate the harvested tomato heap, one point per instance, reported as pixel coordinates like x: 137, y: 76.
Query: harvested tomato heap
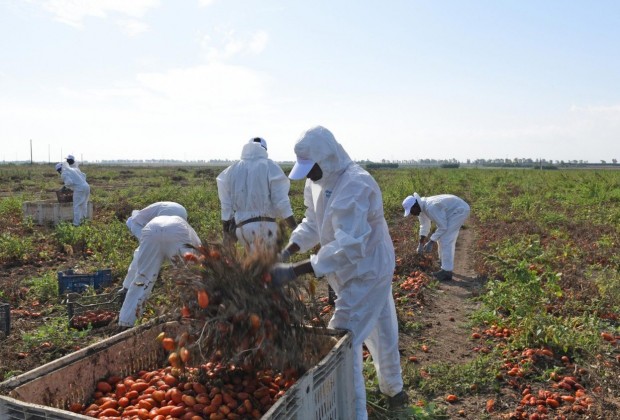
x: 244, y: 342
x: 96, y: 318
x: 212, y: 391
x: 245, y: 320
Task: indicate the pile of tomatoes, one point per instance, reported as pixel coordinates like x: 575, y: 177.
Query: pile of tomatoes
x: 96, y: 318
x: 212, y: 391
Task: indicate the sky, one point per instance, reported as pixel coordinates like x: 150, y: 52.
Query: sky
x: 392, y: 79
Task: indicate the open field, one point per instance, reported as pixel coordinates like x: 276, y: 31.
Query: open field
x: 529, y: 328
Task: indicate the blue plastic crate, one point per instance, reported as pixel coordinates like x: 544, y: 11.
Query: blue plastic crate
x: 68, y: 282
x: 5, y: 318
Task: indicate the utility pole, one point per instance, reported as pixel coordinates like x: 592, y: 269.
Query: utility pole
x: 31, y: 151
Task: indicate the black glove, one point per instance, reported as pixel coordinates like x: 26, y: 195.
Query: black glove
x: 428, y: 247
x: 284, y: 256
x: 228, y: 231
x: 121, y: 293
x: 282, y: 273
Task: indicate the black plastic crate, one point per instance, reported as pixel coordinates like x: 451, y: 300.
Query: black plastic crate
x: 97, y: 310
x: 68, y: 282
x: 64, y: 195
x: 5, y: 318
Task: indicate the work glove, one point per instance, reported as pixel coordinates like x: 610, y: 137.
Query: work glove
x: 121, y: 293
x: 229, y: 237
x: 420, y: 247
x: 282, y: 273
x: 428, y: 247
x: 284, y: 256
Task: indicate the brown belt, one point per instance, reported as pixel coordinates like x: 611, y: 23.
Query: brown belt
x: 256, y: 219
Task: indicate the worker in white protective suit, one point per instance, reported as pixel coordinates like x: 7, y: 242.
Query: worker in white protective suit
x: 449, y: 213
x: 70, y: 159
x: 138, y: 220
x: 344, y: 214
x: 76, y: 180
x: 253, y: 194
x: 163, y: 238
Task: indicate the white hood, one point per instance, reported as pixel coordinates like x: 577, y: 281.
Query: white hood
x: 319, y: 145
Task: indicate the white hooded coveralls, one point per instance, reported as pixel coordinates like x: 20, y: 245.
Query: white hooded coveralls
x: 344, y: 214
x: 76, y: 180
x: 449, y: 213
x: 255, y: 186
x: 140, y: 218
x: 162, y: 238
x: 76, y: 166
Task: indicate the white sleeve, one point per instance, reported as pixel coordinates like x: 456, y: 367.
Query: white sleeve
x: 306, y: 234
x: 425, y: 224
x: 224, y: 194
x: 279, y: 185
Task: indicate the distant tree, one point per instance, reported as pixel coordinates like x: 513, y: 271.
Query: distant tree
x: 615, y: 161
x: 372, y: 165
x: 450, y: 165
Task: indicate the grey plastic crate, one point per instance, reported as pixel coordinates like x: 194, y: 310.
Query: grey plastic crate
x: 12, y: 409
x: 324, y: 392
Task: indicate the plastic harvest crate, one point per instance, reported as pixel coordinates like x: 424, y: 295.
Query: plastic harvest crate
x: 5, y: 319
x: 69, y: 282
x: 64, y: 195
x: 325, y: 391
x: 78, y: 305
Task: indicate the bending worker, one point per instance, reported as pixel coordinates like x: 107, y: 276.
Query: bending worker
x: 449, y: 213
x: 344, y: 214
x: 138, y: 220
x: 163, y: 238
x: 253, y: 192
x: 76, y: 180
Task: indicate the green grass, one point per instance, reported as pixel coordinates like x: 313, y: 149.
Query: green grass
x: 44, y: 288
x: 548, y: 242
x: 442, y: 379
x: 14, y: 248
x: 55, y: 331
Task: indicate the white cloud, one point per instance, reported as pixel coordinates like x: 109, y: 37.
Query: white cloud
x: 132, y: 27
x: 216, y: 87
x: 205, y: 3
x: 73, y: 12
x: 226, y: 44
x: 258, y: 42
x: 610, y: 112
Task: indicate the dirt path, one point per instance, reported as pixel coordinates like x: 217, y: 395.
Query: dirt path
x: 448, y: 307
x: 443, y: 316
